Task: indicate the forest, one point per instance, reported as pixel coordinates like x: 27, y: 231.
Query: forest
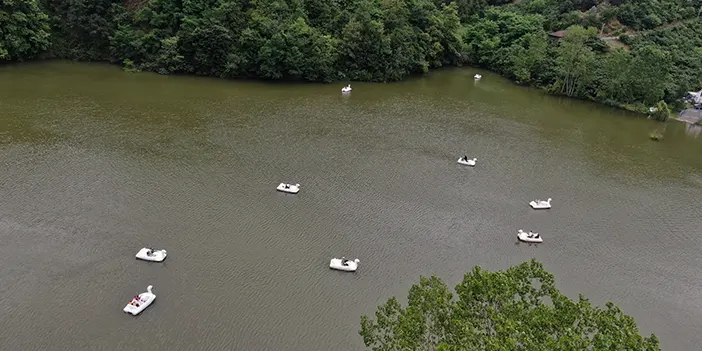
x: 625, y: 53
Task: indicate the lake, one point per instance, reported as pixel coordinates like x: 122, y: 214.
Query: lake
x: 98, y: 163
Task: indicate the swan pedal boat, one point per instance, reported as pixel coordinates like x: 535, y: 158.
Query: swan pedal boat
x: 144, y: 300
x: 346, y: 89
x: 466, y: 162
x: 529, y: 237
x: 289, y: 188
x: 155, y: 256
x: 350, y: 266
x: 540, y: 204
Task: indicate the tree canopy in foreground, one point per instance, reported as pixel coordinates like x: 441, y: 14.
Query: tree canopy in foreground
x: 516, y: 309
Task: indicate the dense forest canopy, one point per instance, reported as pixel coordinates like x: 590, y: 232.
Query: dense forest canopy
x: 516, y: 309
x: 24, y: 30
x: 658, y: 54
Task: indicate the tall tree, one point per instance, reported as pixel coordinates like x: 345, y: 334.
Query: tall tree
x: 489, y: 40
x: 516, y: 309
x: 24, y: 30
x: 648, y: 80
x: 529, y: 57
x: 365, y: 52
x: 614, y: 85
x: 81, y: 28
x: 575, y: 62
x: 378, y: 40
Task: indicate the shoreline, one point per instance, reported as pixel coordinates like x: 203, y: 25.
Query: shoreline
x: 630, y: 108
x: 688, y: 116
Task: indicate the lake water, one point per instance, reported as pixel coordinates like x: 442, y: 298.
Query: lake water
x: 97, y: 163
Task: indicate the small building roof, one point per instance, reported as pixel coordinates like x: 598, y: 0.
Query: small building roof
x: 559, y: 34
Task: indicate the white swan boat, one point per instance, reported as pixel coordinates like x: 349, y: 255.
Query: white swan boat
x: 289, y: 188
x: 149, y: 254
x: 141, y: 302
x: 477, y: 77
x: 343, y: 264
x: 529, y: 237
x: 540, y: 204
x: 467, y: 162
x: 346, y: 89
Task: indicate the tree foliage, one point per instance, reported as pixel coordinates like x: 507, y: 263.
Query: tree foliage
x: 24, y: 30
x: 81, y: 28
x: 662, y: 64
x: 574, y: 62
x: 682, y: 45
x: 516, y: 309
x: 661, y: 112
x: 379, y: 40
x: 273, y: 39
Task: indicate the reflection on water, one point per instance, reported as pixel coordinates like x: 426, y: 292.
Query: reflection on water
x: 692, y: 130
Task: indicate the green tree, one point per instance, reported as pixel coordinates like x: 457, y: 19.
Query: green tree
x: 298, y: 51
x: 377, y: 40
x: 169, y: 59
x: 24, y: 30
x: 489, y: 41
x: 205, y: 46
x: 614, y: 78
x: 529, y: 57
x: 575, y: 62
x: 466, y: 8
x: 516, y: 309
x: 444, y: 30
x: 365, y: 52
x: 650, y: 76
x: 126, y: 43
x: 82, y: 28
x: 661, y: 112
